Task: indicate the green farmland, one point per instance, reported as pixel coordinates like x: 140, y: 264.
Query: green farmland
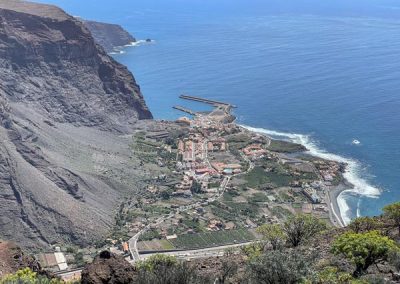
x: 211, y: 239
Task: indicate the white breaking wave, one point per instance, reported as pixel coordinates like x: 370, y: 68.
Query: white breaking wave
x: 136, y: 43
x: 353, y: 172
x: 120, y: 49
x: 117, y: 52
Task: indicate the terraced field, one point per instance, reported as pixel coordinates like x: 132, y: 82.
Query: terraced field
x: 211, y: 239
x: 197, y: 241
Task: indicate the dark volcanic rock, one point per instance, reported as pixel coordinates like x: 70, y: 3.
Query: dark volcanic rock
x: 53, y: 63
x: 65, y: 107
x: 108, y: 268
x: 109, y: 36
x: 12, y: 258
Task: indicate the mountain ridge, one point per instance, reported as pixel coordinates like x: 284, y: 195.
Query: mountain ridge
x: 66, y: 112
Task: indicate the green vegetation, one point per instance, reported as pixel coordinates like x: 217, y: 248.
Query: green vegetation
x: 79, y: 261
x: 209, y: 239
x: 278, y: 177
x: 150, y: 235
x: 196, y: 187
x: 253, y: 250
x: 285, y: 147
x: 152, y: 263
x: 300, y: 228
x: 256, y: 177
x: 332, y: 275
x: 166, y: 245
x: 279, y: 267
x: 286, y: 197
x: 240, y: 140
x: 272, y: 233
x: 230, y: 211
x: 156, y: 209
x: 258, y: 197
x: 363, y: 224
x: 364, y: 249
x: 163, y: 269
x: 27, y: 276
x: 193, y: 224
x: 392, y: 212
x: 280, y: 212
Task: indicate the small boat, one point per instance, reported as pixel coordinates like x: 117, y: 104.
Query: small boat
x: 356, y: 142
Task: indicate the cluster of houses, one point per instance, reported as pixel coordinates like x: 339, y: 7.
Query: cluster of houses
x: 227, y: 169
x: 193, y: 154
x: 328, y: 170
x: 314, y: 191
x: 254, y: 151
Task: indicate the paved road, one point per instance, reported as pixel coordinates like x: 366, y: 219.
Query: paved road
x: 200, y: 253
x: 133, y: 241
x: 70, y: 276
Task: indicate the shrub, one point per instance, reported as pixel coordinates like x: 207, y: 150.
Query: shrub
x: 363, y: 224
x: 392, y: 212
x: 279, y: 267
x: 27, y: 276
x: 300, y: 228
x: 272, y: 233
x: 332, y: 275
x: 364, y: 249
x: 164, y: 269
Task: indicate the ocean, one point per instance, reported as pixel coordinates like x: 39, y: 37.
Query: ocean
x: 323, y: 73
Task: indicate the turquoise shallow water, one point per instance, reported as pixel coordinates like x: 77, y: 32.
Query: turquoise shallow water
x: 329, y: 72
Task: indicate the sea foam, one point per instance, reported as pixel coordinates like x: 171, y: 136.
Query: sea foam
x: 353, y: 173
x: 120, y: 49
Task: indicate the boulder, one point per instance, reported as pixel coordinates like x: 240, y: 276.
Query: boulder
x: 108, y: 268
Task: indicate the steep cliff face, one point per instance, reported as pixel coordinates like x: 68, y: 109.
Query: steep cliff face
x: 109, y: 36
x: 52, y: 62
x: 65, y: 107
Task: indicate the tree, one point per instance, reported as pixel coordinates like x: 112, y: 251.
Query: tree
x: 278, y: 267
x: 364, y: 249
x: 362, y: 224
x: 301, y: 227
x: 392, y: 212
x: 273, y: 233
x: 229, y: 266
x: 228, y: 269
x: 165, y: 195
x: 196, y: 187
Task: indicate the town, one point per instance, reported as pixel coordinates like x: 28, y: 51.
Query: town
x: 214, y: 183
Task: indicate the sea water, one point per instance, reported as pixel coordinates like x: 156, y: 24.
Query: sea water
x: 322, y: 73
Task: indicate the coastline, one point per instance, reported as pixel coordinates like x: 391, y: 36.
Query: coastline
x: 333, y: 195
x: 333, y: 192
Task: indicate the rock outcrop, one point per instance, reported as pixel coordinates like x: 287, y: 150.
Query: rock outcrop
x: 109, y: 36
x: 108, y: 268
x: 65, y: 110
x: 12, y: 258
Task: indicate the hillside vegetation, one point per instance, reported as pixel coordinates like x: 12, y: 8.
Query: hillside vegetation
x: 301, y: 250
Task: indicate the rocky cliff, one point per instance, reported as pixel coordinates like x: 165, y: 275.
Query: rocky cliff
x: 12, y: 258
x: 109, y: 36
x: 65, y: 110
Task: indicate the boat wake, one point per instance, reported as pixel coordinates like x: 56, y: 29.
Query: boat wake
x: 354, y: 173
